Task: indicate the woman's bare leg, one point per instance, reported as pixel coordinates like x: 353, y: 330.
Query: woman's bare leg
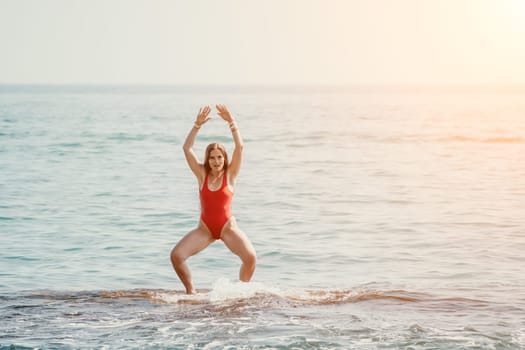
x: 241, y: 246
x: 189, y: 245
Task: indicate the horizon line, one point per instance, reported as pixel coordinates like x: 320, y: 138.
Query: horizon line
x: 353, y: 87
x: 385, y: 84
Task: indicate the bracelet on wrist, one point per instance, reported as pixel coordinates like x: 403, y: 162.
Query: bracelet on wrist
x: 197, y: 126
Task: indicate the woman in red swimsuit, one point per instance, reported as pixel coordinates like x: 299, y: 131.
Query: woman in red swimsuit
x: 216, y: 178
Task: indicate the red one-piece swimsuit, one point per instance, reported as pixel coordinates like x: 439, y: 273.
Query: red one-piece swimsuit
x: 216, y: 206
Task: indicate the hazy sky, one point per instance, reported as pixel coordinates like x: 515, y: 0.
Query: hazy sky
x: 262, y: 42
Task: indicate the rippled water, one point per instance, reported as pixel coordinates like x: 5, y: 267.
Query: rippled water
x: 381, y: 219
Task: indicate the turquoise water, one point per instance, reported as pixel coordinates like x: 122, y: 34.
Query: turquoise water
x: 382, y: 218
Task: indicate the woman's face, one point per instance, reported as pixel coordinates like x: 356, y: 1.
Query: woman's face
x: 216, y: 160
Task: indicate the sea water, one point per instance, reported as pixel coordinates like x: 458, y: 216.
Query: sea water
x: 382, y: 218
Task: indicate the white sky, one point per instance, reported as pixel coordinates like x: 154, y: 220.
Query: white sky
x: 233, y: 42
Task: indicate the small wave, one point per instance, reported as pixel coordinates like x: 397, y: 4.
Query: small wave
x: 68, y: 144
x: 500, y: 139
x: 452, y: 138
x: 121, y: 137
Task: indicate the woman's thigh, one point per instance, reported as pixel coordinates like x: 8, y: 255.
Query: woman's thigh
x: 237, y: 241
x: 194, y: 242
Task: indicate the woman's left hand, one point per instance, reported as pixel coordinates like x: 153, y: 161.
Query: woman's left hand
x: 224, y: 113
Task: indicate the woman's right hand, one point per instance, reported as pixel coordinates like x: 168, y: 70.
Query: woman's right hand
x: 203, y: 117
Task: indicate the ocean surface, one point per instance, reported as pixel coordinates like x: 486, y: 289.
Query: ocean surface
x: 383, y: 218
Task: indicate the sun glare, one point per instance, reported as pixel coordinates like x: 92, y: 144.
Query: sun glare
x: 515, y: 13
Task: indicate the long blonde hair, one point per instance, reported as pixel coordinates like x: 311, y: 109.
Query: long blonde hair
x: 211, y: 147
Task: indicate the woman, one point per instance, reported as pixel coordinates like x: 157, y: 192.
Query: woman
x: 216, y: 177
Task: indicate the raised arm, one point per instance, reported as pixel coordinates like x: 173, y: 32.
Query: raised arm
x: 191, y: 157
x: 235, y: 164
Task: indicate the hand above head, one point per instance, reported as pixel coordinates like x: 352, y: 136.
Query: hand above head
x: 224, y: 113
x: 203, y: 115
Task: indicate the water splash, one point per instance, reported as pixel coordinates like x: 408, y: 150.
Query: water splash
x: 224, y: 289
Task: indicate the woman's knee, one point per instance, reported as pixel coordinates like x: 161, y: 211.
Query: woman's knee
x: 177, y: 257
x: 250, y: 258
